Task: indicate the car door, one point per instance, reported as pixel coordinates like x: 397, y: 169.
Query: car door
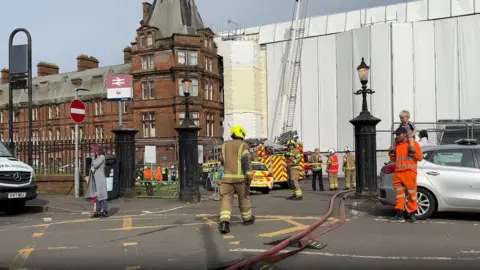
x: 455, y: 175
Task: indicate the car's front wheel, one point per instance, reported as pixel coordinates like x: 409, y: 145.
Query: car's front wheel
x: 427, y: 205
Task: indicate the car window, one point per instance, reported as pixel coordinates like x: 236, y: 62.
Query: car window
x: 452, y: 157
x: 259, y: 167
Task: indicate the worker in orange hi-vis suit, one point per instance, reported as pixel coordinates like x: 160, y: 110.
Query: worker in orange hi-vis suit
x: 158, y: 174
x: 405, y: 176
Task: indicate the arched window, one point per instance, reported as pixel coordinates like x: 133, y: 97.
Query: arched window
x: 149, y: 39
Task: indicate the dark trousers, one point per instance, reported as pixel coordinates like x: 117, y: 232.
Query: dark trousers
x: 317, y: 175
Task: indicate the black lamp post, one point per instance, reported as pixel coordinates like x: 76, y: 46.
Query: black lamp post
x: 365, y: 140
x: 188, y: 150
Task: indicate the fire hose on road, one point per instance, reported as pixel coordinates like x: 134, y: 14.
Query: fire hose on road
x: 270, y: 256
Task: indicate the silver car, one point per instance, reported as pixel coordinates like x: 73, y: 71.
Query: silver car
x: 448, y: 179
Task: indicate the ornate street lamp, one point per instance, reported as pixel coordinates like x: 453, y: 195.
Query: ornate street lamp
x: 188, y: 150
x: 365, y: 140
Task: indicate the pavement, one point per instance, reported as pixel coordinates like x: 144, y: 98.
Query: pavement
x: 167, y: 234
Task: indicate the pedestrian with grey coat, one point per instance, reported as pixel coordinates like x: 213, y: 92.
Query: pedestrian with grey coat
x: 97, y: 184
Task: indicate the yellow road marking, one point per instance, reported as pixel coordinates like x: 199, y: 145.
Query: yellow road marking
x: 21, y: 258
x: 4, y: 230
x: 235, y: 243
x: 37, y: 234
x: 130, y: 244
x: 133, y: 267
x: 228, y: 237
x: 294, y: 223
x: 127, y: 223
x: 298, y: 227
x: 60, y: 248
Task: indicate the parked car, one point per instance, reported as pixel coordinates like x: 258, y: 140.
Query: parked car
x: 448, y: 179
x: 17, y: 182
x: 262, y: 178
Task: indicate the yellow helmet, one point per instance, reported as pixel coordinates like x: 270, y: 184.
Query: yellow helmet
x: 238, y: 131
x: 292, y: 142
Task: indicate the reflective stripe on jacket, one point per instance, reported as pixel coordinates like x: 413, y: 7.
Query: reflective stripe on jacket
x: 316, y: 158
x: 295, y: 157
x: 405, y: 162
x: 333, y: 164
x: 349, y: 162
x: 232, y: 153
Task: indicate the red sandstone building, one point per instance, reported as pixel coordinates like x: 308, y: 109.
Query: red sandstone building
x: 163, y: 51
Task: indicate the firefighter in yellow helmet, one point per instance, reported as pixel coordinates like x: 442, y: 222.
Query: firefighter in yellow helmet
x: 294, y: 157
x: 349, y: 169
x: 237, y: 176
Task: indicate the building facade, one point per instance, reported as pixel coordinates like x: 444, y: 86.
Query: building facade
x: 158, y: 64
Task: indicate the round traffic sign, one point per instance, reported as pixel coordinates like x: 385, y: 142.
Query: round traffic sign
x: 77, y: 111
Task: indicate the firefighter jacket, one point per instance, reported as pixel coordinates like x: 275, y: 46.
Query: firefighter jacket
x: 405, y: 162
x: 236, y: 162
x: 316, y: 158
x: 332, y: 163
x: 294, y: 158
x: 348, y: 163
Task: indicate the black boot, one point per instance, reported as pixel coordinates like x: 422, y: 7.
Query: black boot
x: 104, y: 214
x: 95, y: 215
x: 291, y: 197
x: 249, y: 222
x: 411, y: 217
x: 224, y: 227
x: 297, y: 198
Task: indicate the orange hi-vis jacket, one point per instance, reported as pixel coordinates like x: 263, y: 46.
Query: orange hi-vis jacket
x: 158, y: 174
x: 333, y: 168
x: 403, y: 161
x: 147, y: 174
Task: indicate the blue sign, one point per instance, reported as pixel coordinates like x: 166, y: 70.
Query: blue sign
x: 164, y: 158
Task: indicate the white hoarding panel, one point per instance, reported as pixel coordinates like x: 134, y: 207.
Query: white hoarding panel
x: 267, y: 33
x: 397, y: 13
x: 274, y: 66
x: 328, y: 91
x: 446, y: 64
x: 336, y: 23
x: 476, y: 5
x: 150, y: 154
x: 439, y: 9
x: 250, y: 121
x: 318, y: 26
x: 417, y: 11
x: 282, y: 31
x: 298, y: 119
x: 462, y: 7
x: 424, y: 71
x: 345, y: 75
x: 353, y: 20
x: 375, y: 15
x: 381, y: 82
x: 402, y: 52
x: 361, y: 49
x: 468, y: 40
x: 310, y: 108
x: 243, y: 53
x: 200, y: 154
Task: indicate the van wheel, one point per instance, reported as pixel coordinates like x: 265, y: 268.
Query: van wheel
x: 284, y: 185
x: 15, y: 207
x: 265, y: 190
x: 427, y: 205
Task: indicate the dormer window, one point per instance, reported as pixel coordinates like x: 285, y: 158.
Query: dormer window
x: 142, y: 41
x: 149, y: 39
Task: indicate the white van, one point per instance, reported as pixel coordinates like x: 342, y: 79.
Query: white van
x: 17, y: 182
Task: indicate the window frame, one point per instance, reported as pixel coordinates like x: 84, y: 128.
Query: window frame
x: 430, y: 155
x: 193, y: 87
x: 147, y: 88
x: 194, y: 115
x: 149, y: 124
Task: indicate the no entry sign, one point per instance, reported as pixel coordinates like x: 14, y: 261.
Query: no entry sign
x: 77, y: 111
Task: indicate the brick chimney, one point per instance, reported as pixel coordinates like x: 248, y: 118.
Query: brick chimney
x: 4, y: 78
x: 146, y: 9
x: 85, y: 62
x: 127, y: 55
x: 45, y: 69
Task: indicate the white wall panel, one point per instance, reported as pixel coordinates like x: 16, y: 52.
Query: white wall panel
x: 250, y: 121
x: 267, y: 33
x: 318, y: 26
x: 397, y: 13
x: 462, y: 7
x: 275, y: 54
x: 417, y: 11
x: 345, y: 75
x: 328, y: 91
x: 469, y: 56
x: 298, y: 119
x: 282, y: 31
x: 361, y: 48
x: 353, y: 20
x: 476, y: 5
x: 446, y: 64
x: 310, y: 106
x: 439, y: 9
x: 424, y: 71
x: 381, y: 82
x: 402, y: 52
x: 336, y: 23
x: 375, y: 15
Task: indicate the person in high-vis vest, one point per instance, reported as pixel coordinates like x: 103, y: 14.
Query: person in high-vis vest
x: 316, y: 162
x: 349, y: 169
x: 236, y: 179
x: 405, y: 175
x: 294, y: 158
x: 332, y: 169
x: 165, y: 173
x: 158, y: 174
x: 147, y: 174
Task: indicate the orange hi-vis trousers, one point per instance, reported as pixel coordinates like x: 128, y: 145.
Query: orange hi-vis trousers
x: 405, y: 184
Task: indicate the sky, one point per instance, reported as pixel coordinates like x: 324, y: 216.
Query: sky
x: 63, y: 29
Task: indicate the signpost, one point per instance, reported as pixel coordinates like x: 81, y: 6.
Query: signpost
x: 77, y: 113
x: 120, y: 88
